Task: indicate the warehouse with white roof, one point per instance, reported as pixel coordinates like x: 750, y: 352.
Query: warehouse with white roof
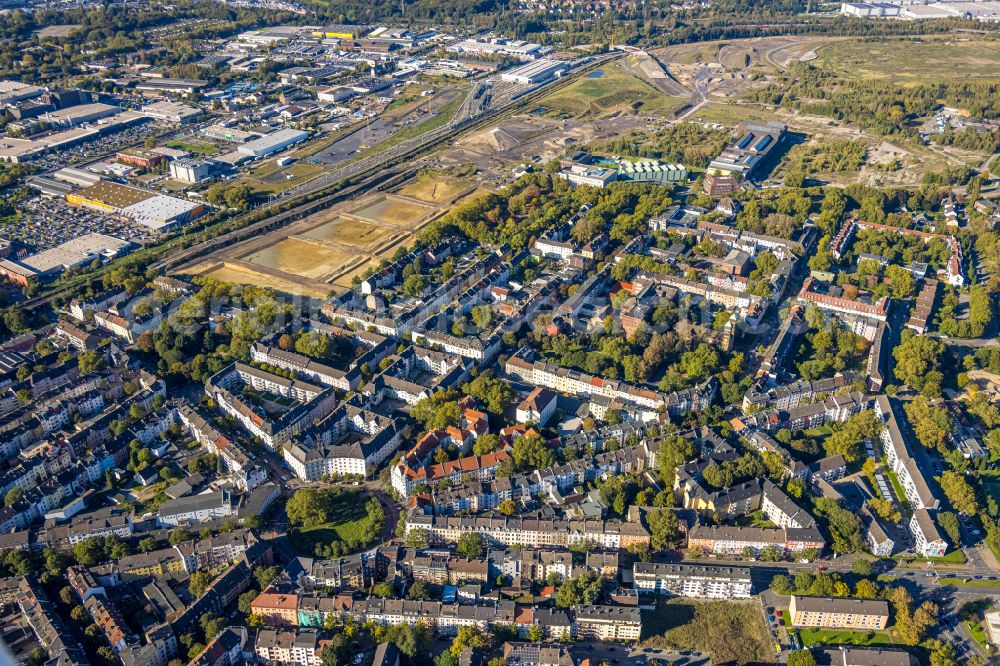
x: 273, y: 142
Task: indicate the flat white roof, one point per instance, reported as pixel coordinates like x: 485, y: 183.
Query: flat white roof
x: 75, y: 251
x: 158, y: 211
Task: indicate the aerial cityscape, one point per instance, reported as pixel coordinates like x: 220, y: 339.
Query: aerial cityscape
x: 482, y: 333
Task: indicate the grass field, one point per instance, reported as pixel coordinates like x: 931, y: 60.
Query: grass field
x: 272, y: 179
x: 727, y: 632
x: 349, y: 232
x: 194, y: 147
x: 730, y: 114
x: 913, y: 61
x: 830, y: 637
x: 349, y: 525
x: 614, y: 91
x: 393, y: 211
x: 435, y: 188
x: 299, y: 257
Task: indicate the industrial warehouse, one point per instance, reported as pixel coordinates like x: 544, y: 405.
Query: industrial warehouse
x: 155, y: 211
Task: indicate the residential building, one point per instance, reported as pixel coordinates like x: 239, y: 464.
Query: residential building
x: 840, y: 613
x: 194, y: 509
x: 692, y: 580
x: 927, y: 539
x: 607, y: 623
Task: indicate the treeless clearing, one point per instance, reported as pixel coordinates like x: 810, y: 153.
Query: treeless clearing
x: 396, y: 212
x: 299, y: 257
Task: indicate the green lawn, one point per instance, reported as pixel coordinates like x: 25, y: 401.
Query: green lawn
x: 979, y: 633
x: 954, y: 557
x: 897, y: 488
x: 349, y: 526
x: 831, y: 637
x: 961, y: 582
x: 199, y: 148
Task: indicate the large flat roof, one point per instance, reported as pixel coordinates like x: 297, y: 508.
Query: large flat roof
x: 114, y: 194
x: 159, y: 210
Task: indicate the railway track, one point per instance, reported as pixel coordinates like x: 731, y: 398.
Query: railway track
x: 374, y: 171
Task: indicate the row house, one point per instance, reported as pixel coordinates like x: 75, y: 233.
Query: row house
x: 298, y: 647
x: 313, y: 402
x: 101, y: 523
x: 730, y: 540
x: 223, y: 590
x: 522, y: 365
x: 834, y: 409
x: 78, y: 308
x: 241, y: 466
x: 927, y: 539
x: 54, y: 636
x: 782, y: 511
x: 222, y: 548
x: 195, y: 509
x: 841, y: 613
x: 801, y: 392
x: 442, y: 569
x: 876, y: 536
x: 530, y: 532
x: 953, y: 268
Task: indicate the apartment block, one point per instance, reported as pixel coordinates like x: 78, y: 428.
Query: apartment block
x: 841, y: 613
x: 692, y: 580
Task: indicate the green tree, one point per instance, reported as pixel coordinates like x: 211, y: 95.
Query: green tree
x: 244, y: 601
x: 948, y: 522
x: 470, y: 544
x: 418, y: 538
x: 306, y: 508
x: 530, y: 451
x: 198, y: 583
x: 179, y: 535
x: 959, y: 493
x: 663, y: 528
x: 419, y: 590
x: 90, y: 362
x: 383, y: 590
x: 495, y: 394
x: 470, y: 637
x: 918, y: 360
x: 862, y: 567
x: 801, y: 658
x: 13, y: 496
x: 89, y: 551
x: 844, y: 526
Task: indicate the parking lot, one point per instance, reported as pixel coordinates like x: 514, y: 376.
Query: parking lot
x: 45, y: 223
x: 104, y: 145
